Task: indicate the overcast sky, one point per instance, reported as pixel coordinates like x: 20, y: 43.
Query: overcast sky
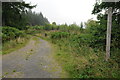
x: 65, y: 11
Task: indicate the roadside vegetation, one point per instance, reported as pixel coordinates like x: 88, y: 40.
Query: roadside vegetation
x: 80, y: 50
x: 13, y: 39
x: 81, y: 55
x: 15, y: 18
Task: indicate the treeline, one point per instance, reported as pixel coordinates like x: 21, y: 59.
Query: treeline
x: 17, y: 14
x: 36, y: 18
x: 16, y: 17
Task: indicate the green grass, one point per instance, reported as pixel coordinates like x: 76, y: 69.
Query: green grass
x: 0, y: 52
x: 14, y: 45
x: 91, y: 65
x: 36, y: 40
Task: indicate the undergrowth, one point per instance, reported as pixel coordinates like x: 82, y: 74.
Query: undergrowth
x: 87, y: 63
x: 82, y: 61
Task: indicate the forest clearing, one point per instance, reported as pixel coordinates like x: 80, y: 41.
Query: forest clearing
x: 32, y: 47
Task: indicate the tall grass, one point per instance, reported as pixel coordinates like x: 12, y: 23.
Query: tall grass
x: 13, y: 45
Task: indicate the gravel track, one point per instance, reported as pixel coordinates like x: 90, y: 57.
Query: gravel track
x: 32, y: 61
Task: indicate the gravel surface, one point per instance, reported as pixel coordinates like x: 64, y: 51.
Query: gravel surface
x: 32, y: 61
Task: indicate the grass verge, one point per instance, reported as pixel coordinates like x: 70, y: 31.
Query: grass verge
x: 13, y: 45
x: 84, y: 62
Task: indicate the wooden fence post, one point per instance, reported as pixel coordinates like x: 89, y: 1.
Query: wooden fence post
x: 108, y: 37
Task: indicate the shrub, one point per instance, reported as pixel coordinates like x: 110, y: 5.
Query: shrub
x: 37, y: 27
x: 9, y: 33
x: 59, y: 35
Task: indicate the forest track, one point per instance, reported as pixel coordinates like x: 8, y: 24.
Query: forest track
x: 35, y: 60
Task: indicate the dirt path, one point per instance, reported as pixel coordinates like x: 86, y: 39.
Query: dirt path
x: 32, y: 61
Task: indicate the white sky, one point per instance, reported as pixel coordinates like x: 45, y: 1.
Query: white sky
x: 65, y: 11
